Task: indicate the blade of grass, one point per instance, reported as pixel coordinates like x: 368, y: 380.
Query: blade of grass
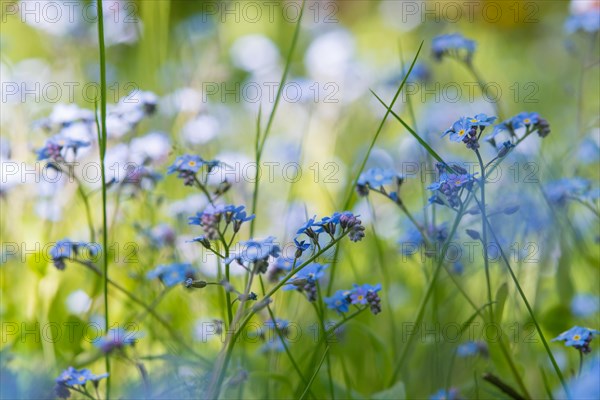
x: 260, y: 142
x: 314, y: 375
x: 348, y: 198
x: 379, y: 129
x: 528, y: 306
x: 102, y: 145
x: 432, y: 152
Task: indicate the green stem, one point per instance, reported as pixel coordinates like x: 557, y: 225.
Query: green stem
x: 484, y: 230
x: 102, y: 135
x: 484, y: 235
x: 312, y: 378
x: 529, y: 310
x: 348, y: 199
x: 225, y: 356
x: 260, y: 144
x: 150, y: 310
x: 287, y: 350
x: 88, y: 212
x: 428, y: 293
x: 483, y: 86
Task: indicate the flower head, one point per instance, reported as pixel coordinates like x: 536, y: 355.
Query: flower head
x: 377, y: 177
x: 117, y: 338
x: 588, y: 22
x: 453, y: 44
x: 57, y: 147
x: 306, y: 280
x: 443, y: 394
x: 578, y: 338
x: 257, y: 253
x: 172, y: 274
x: 340, y: 301
x: 559, y: 191
x: 211, y: 217
x: 367, y: 294
x: 279, y: 266
x: 188, y: 166
x: 449, y: 185
x: 584, y: 305
x: 72, y: 377
x: 67, y: 249
x: 529, y: 120
x: 472, y: 348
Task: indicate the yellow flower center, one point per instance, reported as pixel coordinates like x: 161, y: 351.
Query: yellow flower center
x: 378, y: 177
x: 527, y: 120
x: 360, y: 297
x: 576, y: 337
x: 461, y: 132
x: 473, y: 120
x: 192, y: 163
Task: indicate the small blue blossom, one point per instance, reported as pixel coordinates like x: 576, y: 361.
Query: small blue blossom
x: 256, y: 252
x: 504, y: 148
x: 172, y: 274
x: 588, y: 22
x: 559, y: 191
x: 117, y: 338
x: 585, y: 305
x: 186, y: 162
x: 453, y: 44
x: 67, y: 249
x: 340, y: 301
x: 306, y: 229
x: 273, y: 345
x: 280, y: 324
x: 450, y: 184
x: 459, y: 129
x: 367, y: 294
x: 306, y: 280
x: 472, y: 348
x: 481, y: 120
x: 72, y: 377
x: 279, y: 266
x: 578, y: 338
x: 587, y: 385
x: 212, y: 215
x: 523, y: 119
x: 442, y: 394
x: 188, y: 166
x: 377, y: 177
x: 57, y: 146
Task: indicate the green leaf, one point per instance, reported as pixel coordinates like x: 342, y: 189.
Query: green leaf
x: 501, y: 296
x: 422, y: 142
x: 396, y: 392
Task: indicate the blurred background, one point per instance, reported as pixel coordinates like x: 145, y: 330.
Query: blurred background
x: 213, y: 67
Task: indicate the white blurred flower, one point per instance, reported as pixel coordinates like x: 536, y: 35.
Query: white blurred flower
x: 201, y: 129
x: 254, y: 53
x: 404, y: 15
x: 79, y: 302
x: 583, y: 6
x: 155, y: 147
x: 186, y: 99
x: 329, y: 55
x: 57, y: 18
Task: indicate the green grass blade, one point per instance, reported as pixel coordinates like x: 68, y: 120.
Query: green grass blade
x: 314, y: 375
x: 379, y: 129
x: 423, y: 143
x: 260, y: 142
x: 102, y: 146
